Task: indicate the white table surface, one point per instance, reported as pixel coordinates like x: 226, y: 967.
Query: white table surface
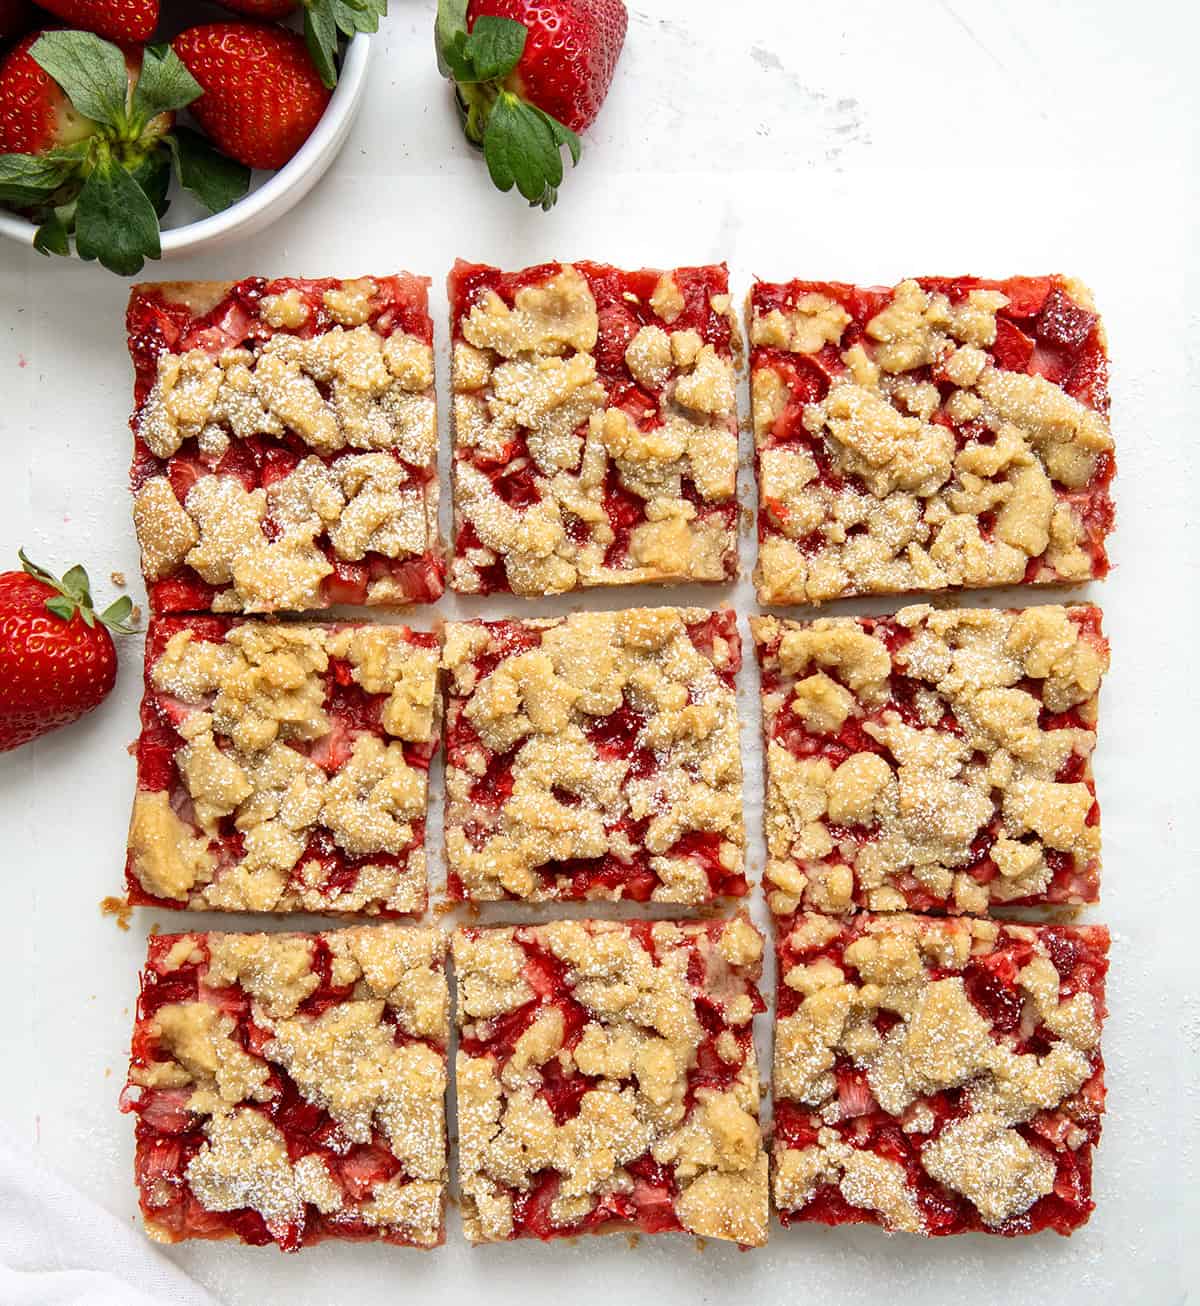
x: 864, y: 141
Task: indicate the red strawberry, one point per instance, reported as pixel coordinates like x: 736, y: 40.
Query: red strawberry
x: 570, y: 54
x: 118, y: 20
x: 325, y: 21
x: 529, y: 75
x: 262, y: 92
x: 35, y: 115
x: 88, y: 141
x: 56, y: 662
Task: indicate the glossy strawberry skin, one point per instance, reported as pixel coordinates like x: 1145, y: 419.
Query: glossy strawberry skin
x: 570, y: 54
x: 262, y: 95
x: 52, y: 671
x: 265, y: 9
x: 115, y: 20
x: 34, y: 114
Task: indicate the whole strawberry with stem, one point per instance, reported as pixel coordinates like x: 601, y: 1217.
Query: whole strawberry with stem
x: 529, y: 75
x: 88, y: 141
x: 324, y: 20
x: 118, y: 20
x: 262, y: 92
x: 57, y: 659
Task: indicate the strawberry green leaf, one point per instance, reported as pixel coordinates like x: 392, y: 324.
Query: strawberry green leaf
x: 320, y: 35
x: 115, y: 221
x: 90, y: 71
x: 75, y: 585
x: 521, y: 147
x: 563, y: 135
x: 62, y: 607
x: 36, y: 571
x: 29, y: 179
x: 164, y: 84
x: 116, y: 616
x: 216, y: 181
x: 494, y: 47
x: 153, y: 175
x: 449, y: 37
x: 357, y: 15
x: 54, y: 235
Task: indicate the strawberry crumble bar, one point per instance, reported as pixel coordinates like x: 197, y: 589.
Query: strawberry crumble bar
x: 594, y: 756
x: 939, y: 761
x: 949, y: 432
x: 285, y: 443
x: 938, y: 1076
x: 290, y: 1088
x: 595, y: 427
x: 283, y: 767
x: 607, y: 1079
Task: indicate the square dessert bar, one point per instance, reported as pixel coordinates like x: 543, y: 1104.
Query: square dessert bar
x: 283, y: 767
x: 285, y: 443
x: 595, y: 427
x: 607, y: 1079
x: 938, y: 1076
x: 935, y: 760
x: 594, y: 756
x: 290, y: 1088
x: 949, y: 432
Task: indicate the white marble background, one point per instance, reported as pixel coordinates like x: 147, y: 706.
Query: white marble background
x: 861, y: 141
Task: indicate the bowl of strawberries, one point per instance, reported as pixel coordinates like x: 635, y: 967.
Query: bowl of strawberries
x: 137, y: 129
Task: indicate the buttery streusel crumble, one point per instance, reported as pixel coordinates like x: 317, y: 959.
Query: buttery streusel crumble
x: 607, y: 1079
x: 290, y: 1087
x: 949, y: 432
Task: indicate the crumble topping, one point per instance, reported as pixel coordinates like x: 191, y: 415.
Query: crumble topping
x: 932, y: 759
x: 265, y: 759
x: 271, y: 452
x: 911, y: 450
x: 374, y: 1101
x: 548, y: 442
x: 586, y: 1095
x: 867, y: 1031
x: 537, y: 778
x: 376, y: 394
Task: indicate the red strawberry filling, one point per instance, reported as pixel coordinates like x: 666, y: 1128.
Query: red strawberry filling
x: 1065, y: 1133
x: 614, y: 736
x: 169, y: 1135
x: 1074, y: 876
x: 648, y: 1203
x: 324, y: 867
x: 623, y: 308
x: 158, y: 325
x: 1041, y: 331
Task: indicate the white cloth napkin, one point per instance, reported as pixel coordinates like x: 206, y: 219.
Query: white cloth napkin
x: 60, y: 1248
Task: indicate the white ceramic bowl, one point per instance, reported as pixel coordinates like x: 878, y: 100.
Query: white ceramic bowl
x: 271, y: 193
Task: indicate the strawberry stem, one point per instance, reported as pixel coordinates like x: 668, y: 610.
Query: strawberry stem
x: 73, y: 595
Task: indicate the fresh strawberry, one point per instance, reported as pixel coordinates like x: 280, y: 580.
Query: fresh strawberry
x: 35, y: 116
x: 118, y: 20
x: 324, y: 20
x: 57, y: 659
x: 88, y: 141
x: 16, y: 18
x: 570, y: 55
x: 529, y: 75
x: 262, y: 92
